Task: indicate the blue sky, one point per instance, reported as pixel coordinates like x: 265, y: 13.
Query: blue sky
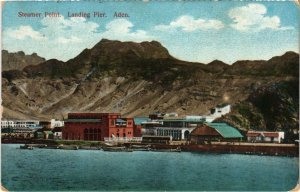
x: 192, y: 31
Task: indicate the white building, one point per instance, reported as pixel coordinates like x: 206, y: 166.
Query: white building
x: 263, y: 136
x: 178, y: 129
x: 56, y: 123
x: 171, y: 114
x: 217, y: 112
x: 19, y: 124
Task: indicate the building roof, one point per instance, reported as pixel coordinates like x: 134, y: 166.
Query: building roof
x: 120, y: 121
x: 83, y: 120
x: 183, y: 120
x: 226, y: 130
x: 262, y: 133
x: 271, y: 134
x: 253, y: 134
x: 140, y: 120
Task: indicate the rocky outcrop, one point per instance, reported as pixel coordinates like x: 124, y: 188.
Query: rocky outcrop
x: 18, y: 60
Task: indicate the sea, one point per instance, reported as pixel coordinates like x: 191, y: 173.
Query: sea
x: 96, y: 170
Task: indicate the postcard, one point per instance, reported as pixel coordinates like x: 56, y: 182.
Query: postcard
x: 150, y: 95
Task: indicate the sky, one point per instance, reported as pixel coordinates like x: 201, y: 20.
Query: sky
x: 199, y: 31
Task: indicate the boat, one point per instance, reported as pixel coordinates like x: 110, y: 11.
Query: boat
x: 141, y: 147
x: 68, y: 147
x: 117, y: 149
x: 26, y: 147
x: 51, y: 147
x: 178, y: 149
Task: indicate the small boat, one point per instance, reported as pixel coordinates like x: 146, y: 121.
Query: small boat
x: 117, y: 149
x: 68, y: 147
x: 166, y: 150
x: 26, y: 147
x: 90, y: 147
x: 140, y: 147
x: 51, y: 147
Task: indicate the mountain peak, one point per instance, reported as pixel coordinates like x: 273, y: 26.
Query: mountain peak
x: 116, y: 49
x: 217, y: 63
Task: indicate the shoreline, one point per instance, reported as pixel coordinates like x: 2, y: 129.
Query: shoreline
x: 268, y: 149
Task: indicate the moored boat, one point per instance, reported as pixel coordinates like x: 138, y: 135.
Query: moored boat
x: 140, y: 147
x: 26, y: 147
x: 166, y: 150
x: 69, y: 147
x: 117, y: 149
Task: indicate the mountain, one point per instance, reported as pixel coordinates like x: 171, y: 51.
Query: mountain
x: 217, y: 66
x: 136, y: 79
x: 18, y: 60
x: 274, y: 107
x: 276, y: 66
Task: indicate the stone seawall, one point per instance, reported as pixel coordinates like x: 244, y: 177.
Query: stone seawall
x: 280, y: 150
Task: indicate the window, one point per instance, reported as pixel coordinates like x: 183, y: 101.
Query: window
x: 112, y: 122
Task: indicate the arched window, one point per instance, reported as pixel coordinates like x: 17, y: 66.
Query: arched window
x: 112, y: 122
x: 91, y: 133
x: 186, y: 134
x: 124, y: 134
x: 95, y: 138
x: 85, y: 134
x: 99, y: 134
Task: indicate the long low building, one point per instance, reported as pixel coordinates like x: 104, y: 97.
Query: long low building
x: 265, y: 136
x: 178, y: 129
x: 19, y: 123
x: 215, y: 132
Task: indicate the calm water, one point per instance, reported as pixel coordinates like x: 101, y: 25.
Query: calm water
x: 57, y: 170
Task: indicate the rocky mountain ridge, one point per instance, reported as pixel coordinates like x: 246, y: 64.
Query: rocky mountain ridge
x: 18, y: 60
x: 136, y: 79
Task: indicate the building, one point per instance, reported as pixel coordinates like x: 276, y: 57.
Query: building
x: 156, y: 115
x: 20, y: 124
x: 52, y: 123
x: 97, y: 126
x: 217, y: 112
x: 57, y: 133
x: 138, y: 125
x: 56, y: 123
x: 19, y: 128
x: 264, y: 136
x: 178, y: 129
x: 215, y: 132
x: 157, y: 139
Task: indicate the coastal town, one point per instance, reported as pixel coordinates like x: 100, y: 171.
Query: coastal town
x: 157, y: 132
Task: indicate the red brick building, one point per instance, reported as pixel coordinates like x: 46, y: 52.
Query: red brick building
x: 96, y: 126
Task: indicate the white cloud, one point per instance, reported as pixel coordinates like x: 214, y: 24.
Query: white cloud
x: 64, y: 39
x: 23, y: 32
x: 190, y: 24
x: 121, y: 29
x: 252, y: 18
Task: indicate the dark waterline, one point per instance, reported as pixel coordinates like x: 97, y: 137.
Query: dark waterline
x: 57, y: 170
